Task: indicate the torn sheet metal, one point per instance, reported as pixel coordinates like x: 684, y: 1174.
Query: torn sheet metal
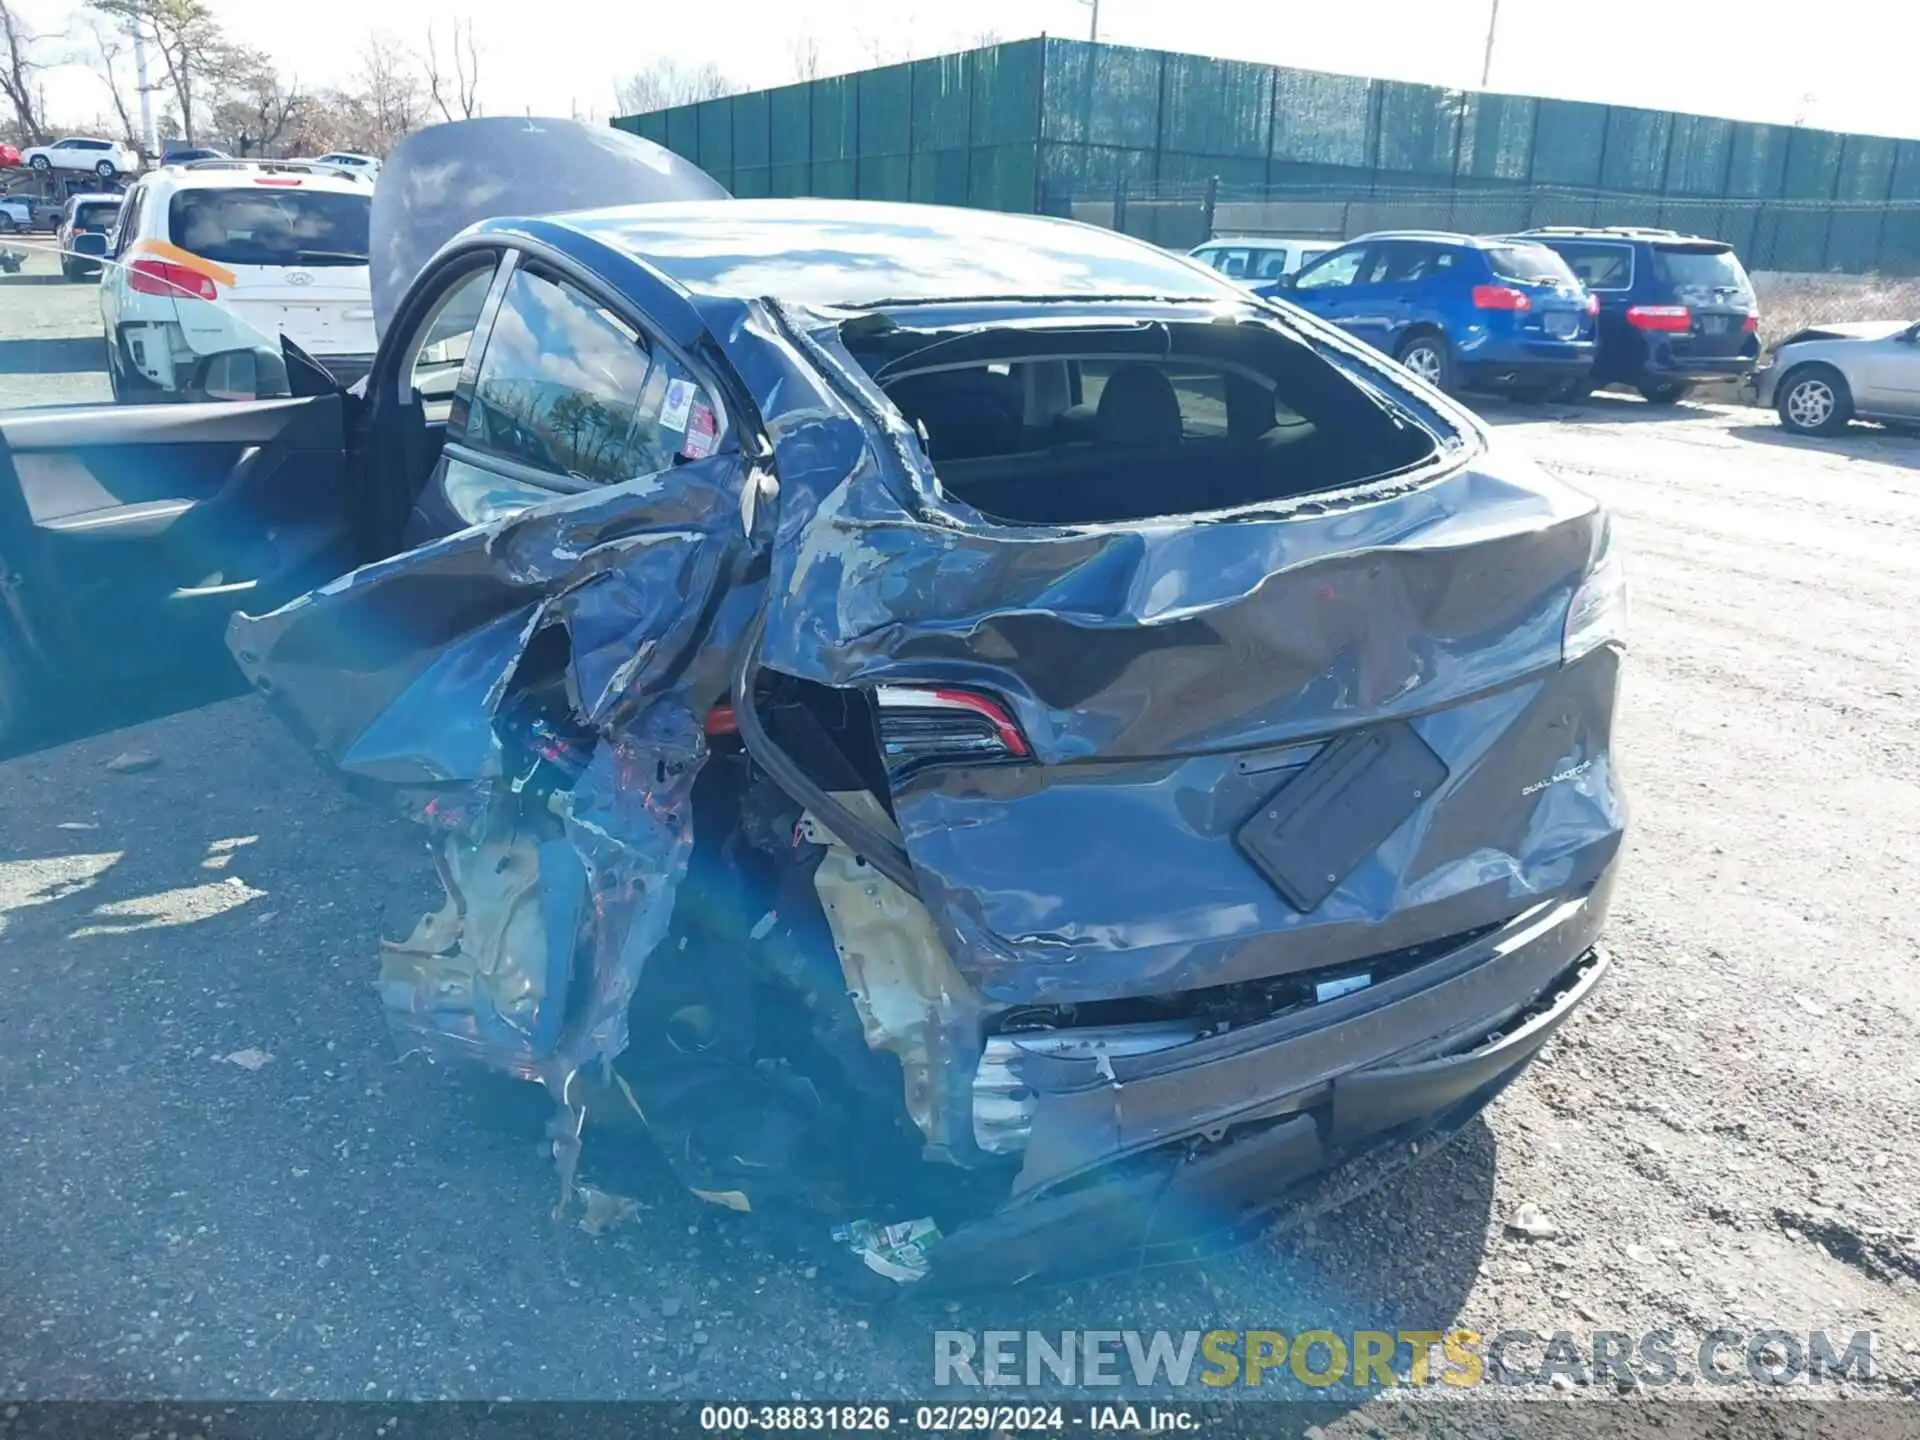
x: 560, y: 836
x: 1158, y: 668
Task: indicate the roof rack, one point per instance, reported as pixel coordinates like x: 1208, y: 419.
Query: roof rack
x: 297, y: 167
x: 1598, y: 230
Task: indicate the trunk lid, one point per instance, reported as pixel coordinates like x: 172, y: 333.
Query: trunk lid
x: 325, y: 310
x: 1169, y: 678
x: 1557, y: 301
x: 295, y: 253
x: 1709, y: 280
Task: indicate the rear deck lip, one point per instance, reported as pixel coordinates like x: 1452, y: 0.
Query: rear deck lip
x: 1262, y: 1069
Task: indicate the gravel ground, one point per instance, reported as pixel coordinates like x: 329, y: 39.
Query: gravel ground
x: 217, y: 1180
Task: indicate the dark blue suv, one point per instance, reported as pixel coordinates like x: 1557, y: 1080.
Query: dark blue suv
x: 1460, y: 311
x: 1674, y: 309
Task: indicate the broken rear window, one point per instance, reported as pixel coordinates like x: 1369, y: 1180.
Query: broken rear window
x: 1139, y: 421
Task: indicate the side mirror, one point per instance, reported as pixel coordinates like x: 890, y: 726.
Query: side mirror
x: 239, y: 375
x: 89, y: 244
x: 1283, y: 282
x: 1910, y: 335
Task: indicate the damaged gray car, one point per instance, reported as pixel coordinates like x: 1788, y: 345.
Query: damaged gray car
x: 963, y: 723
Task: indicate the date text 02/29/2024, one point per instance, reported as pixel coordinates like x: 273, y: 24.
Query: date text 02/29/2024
x: 946, y: 1418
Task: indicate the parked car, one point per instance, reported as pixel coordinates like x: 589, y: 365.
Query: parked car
x: 280, y: 253
x: 9, y: 156
x: 1820, y: 378
x: 1255, y: 259
x: 84, y: 215
x: 105, y: 158
x: 16, y: 213
x: 981, y: 725
x: 1457, y: 310
x: 1675, y: 310
x: 367, y: 165
x: 175, y: 152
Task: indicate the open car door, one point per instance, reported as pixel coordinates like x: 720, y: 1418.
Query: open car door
x: 130, y: 534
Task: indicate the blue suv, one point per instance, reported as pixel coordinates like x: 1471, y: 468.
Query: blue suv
x: 1460, y: 311
x: 1674, y: 309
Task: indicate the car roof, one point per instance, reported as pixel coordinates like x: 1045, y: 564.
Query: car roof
x: 241, y: 178
x: 1622, y: 234
x: 1252, y: 241
x: 102, y: 197
x: 1446, y: 237
x: 860, y: 253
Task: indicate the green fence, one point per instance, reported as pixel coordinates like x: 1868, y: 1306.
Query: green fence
x: 1144, y: 136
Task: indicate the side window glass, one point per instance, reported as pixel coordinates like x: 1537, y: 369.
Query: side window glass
x: 440, y: 349
x: 1339, y: 268
x: 1272, y: 263
x: 566, y: 386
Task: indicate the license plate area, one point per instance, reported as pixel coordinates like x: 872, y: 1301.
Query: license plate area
x: 1716, y: 324
x: 1310, y: 833
x: 1563, y: 327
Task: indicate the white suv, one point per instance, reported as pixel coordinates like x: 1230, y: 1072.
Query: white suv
x: 227, y: 255
x: 105, y: 158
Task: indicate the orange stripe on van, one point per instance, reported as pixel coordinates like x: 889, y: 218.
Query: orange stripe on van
x: 186, y: 259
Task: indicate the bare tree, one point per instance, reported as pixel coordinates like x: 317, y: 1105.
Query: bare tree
x: 18, y: 66
x: 803, y: 54
x: 464, y: 85
x: 666, y: 83
x: 389, y: 93
x: 112, y: 65
x: 192, y: 48
x: 255, y: 107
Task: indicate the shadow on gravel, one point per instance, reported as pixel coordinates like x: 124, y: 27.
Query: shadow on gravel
x: 1603, y: 407
x: 63, y: 355
x: 1856, y: 442
x: 221, y: 1180
x: 6, y: 280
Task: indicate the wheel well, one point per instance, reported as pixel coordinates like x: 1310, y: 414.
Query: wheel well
x: 1421, y: 330
x: 1805, y: 366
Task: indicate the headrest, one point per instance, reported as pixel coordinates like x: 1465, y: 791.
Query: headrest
x: 1138, y: 407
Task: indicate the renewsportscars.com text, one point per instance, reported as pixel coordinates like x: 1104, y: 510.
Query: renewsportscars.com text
x: 1366, y: 1359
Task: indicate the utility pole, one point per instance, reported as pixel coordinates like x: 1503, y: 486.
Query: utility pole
x: 149, y: 137
x: 1486, y: 65
x: 1093, y: 30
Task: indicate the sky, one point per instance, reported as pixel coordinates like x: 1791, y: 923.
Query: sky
x: 1842, y: 64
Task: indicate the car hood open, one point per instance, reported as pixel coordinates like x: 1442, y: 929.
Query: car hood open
x: 442, y: 179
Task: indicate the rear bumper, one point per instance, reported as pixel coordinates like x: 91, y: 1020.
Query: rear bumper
x: 1528, y: 369
x: 1189, y: 1150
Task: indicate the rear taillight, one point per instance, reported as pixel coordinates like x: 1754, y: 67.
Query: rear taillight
x: 162, y: 277
x: 1750, y: 325
x: 1593, y: 304
x: 1597, y: 613
x: 939, y: 725
x: 1670, y: 319
x: 1499, y: 297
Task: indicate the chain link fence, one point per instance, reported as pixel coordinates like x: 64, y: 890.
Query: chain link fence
x: 1792, y: 235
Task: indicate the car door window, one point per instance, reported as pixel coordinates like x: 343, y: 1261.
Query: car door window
x: 1269, y: 264
x: 128, y: 225
x: 567, y: 387
x: 1600, y: 267
x: 1231, y: 263
x: 439, y: 348
x: 1397, y: 262
x: 1337, y: 269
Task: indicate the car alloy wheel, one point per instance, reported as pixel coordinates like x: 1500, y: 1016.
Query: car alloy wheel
x: 41, y: 162
x: 105, y: 169
x: 1809, y: 403
x: 1423, y: 358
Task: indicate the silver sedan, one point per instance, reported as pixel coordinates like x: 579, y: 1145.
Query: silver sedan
x: 1826, y: 375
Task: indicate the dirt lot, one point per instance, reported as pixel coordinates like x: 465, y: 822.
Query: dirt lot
x: 1728, y: 1136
